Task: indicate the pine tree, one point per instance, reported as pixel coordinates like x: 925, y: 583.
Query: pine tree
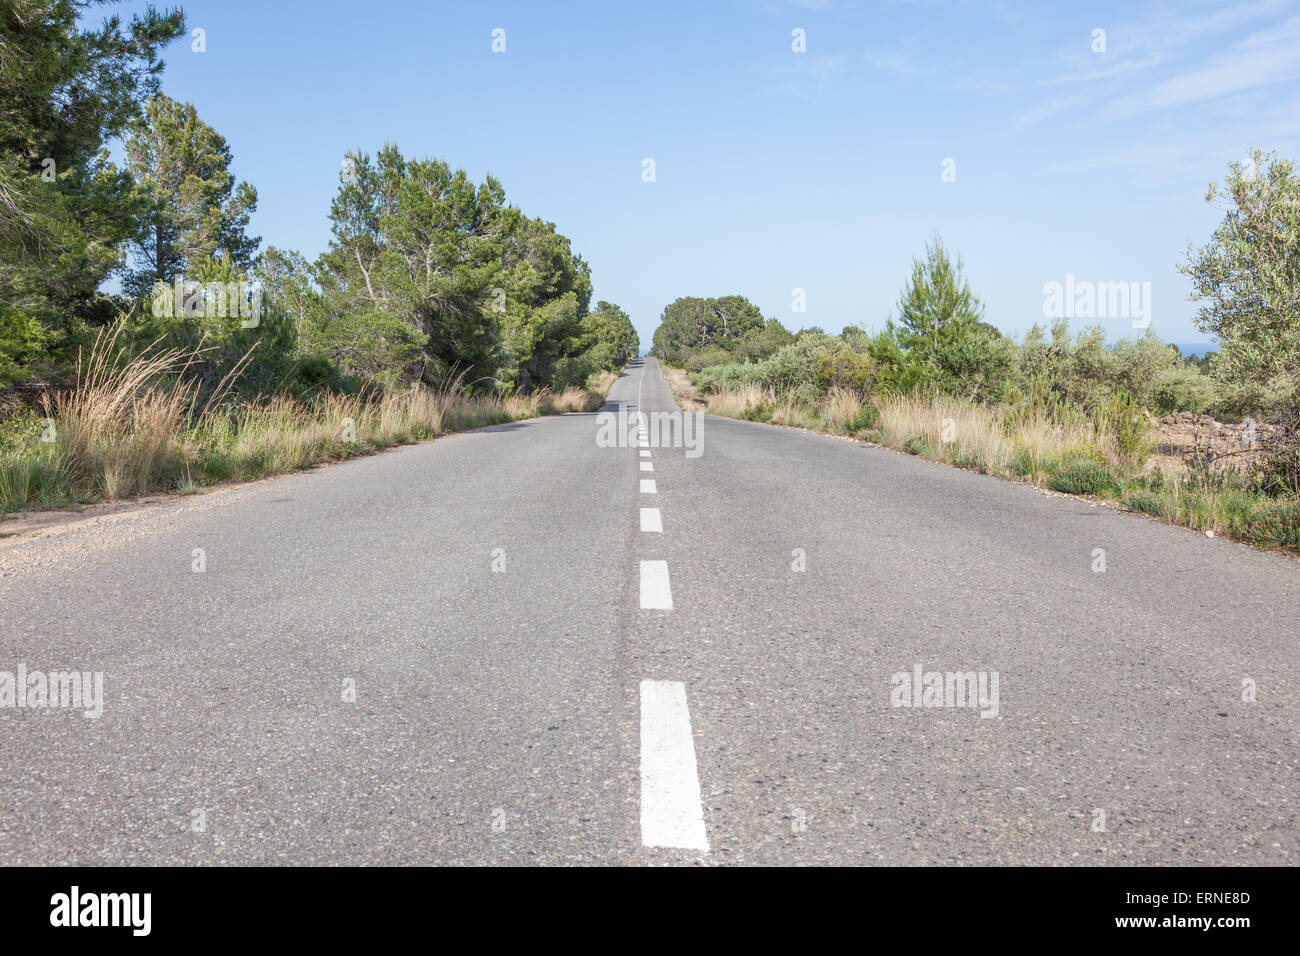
x: 65, y: 210
x: 197, y: 211
x: 937, y: 308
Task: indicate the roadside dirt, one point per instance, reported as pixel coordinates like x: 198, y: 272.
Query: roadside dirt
x: 1185, y: 436
x: 683, y: 391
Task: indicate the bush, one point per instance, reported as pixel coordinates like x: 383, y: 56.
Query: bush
x: 1083, y: 478
x: 917, y: 445
x: 1275, y: 524
x: 847, y: 370
x: 1145, y: 502
x: 1023, y: 461
x: 21, y: 431
x: 22, y: 346
x: 868, y: 417
x: 1182, y: 389
x: 1128, y: 425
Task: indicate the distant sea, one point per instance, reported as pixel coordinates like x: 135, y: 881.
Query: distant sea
x: 1196, y: 348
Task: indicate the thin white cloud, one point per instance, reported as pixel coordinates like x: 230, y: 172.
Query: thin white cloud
x: 1106, y: 72
x: 1262, y: 59
x: 901, y: 65
x: 1175, y: 29
x: 1030, y: 118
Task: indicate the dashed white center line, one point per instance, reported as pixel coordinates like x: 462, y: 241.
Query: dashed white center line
x: 648, y: 487
x: 671, y: 815
x: 651, y: 520
x: 643, y: 453
x: 656, y: 594
x: 646, y: 466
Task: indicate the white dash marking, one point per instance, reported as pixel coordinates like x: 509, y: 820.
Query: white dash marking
x: 671, y: 814
x: 643, y: 453
x: 656, y: 595
x: 652, y: 520
x: 648, y: 487
x: 646, y: 466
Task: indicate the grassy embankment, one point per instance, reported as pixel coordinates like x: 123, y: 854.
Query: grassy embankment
x: 131, y: 428
x: 1088, y: 456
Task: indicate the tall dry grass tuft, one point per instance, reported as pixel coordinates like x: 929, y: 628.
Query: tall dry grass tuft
x: 117, y: 429
x: 842, y: 408
x: 571, y: 399
x: 740, y: 402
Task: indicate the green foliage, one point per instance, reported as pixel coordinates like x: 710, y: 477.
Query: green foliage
x: 196, y: 212
x: 1145, y: 502
x: 689, y: 324
x: 1182, y: 389
x: 20, y: 431
x: 1127, y: 423
x: 917, y: 445
x: 941, y: 329
x: 610, y: 340
x: 867, y: 418
x: 1248, y: 276
x: 756, y: 344
x: 65, y: 210
x: 795, y: 366
x: 1084, y: 478
x: 1274, y: 524
x: 846, y: 369
x: 22, y: 346
x: 431, y: 276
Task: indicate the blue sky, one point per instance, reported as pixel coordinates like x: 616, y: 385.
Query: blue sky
x: 776, y: 170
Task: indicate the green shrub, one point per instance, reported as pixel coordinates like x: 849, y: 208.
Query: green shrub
x: 1023, y: 463
x: 21, y: 431
x: 1280, y: 473
x: 1127, y: 422
x: 23, y: 343
x: 804, y: 394
x: 867, y: 418
x: 1083, y: 478
x: 917, y: 445
x: 1274, y: 524
x: 1145, y: 502
x: 846, y: 369
x: 1182, y: 389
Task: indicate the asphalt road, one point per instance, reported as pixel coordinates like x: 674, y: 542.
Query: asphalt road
x: 469, y: 651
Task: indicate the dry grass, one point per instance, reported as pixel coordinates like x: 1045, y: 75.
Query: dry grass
x: 954, y: 430
x: 740, y: 402
x: 688, y: 399
x: 602, y: 383
x: 842, y: 408
x: 116, y: 429
x: 1071, y: 453
x: 571, y: 399
x: 131, y: 426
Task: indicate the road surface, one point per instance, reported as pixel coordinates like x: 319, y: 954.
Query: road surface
x: 503, y: 647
